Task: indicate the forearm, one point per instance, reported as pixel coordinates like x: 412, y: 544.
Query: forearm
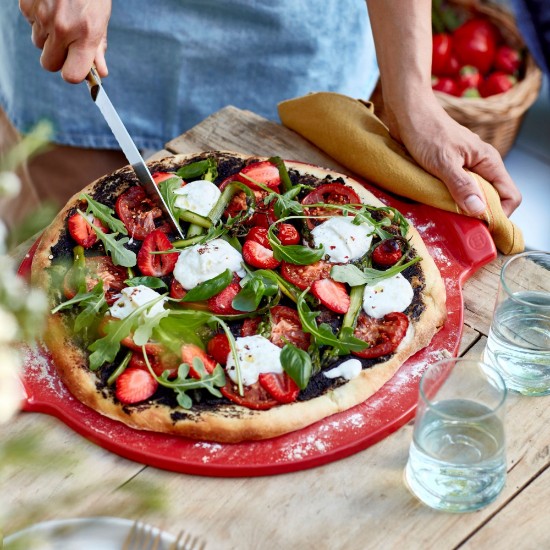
x: 403, y: 39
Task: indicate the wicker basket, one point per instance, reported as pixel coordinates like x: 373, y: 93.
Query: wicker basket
x: 496, y: 119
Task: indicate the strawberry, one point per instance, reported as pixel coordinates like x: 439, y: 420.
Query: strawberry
x: 262, y: 172
x: 135, y: 385
x: 280, y: 386
x: 256, y: 255
x: 497, y: 83
x: 189, y: 352
x: 81, y: 232
x: 161, y: 176
x: 259, y: 235
x: 288, y: 234
x: 156, y: 265
x: 331, y: 294
x: 508, y: 59
x: 221, y: 303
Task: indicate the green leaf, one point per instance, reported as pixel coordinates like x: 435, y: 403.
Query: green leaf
x: 255, y: 287
x: 283, y: 172
x: 352, y: 275
x: 285, y: 204
x: 294, y: 253
x: 104, y: 214
x: 150, y: 282
x: 209, y: 288
x: 206, y: 168
x: 167, y: 188
x: 93, y: 309
x: 144, y: 331
x: 297, y: 364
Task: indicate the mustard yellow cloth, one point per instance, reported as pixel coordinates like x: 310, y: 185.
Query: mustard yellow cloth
x: 348, y: 130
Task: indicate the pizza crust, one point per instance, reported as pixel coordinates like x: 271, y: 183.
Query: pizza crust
x: 229, y: 423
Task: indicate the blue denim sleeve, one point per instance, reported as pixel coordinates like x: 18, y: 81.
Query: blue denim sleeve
x: 174, y: 62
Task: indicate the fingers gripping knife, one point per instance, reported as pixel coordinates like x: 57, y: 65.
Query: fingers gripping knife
x: 128, y: 146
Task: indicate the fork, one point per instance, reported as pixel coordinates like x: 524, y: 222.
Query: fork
x: 185, y: 541
x: 143, y: 537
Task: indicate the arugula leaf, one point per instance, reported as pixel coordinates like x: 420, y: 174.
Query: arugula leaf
x: 323, y: 335
x: 354, y: 276
x: 104, y: 214
x: 92, y: 310
x: 105, y: 349
x: 294, y: 253
x: 286, y: 205
x: 151, y: 282
x: 119, y: 254
x: 297, y: 364
x: 209, y: 288
x: 144, y: 331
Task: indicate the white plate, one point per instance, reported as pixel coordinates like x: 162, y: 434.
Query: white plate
x: 101, y: 533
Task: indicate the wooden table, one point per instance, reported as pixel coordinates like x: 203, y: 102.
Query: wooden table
x: 359, y: 502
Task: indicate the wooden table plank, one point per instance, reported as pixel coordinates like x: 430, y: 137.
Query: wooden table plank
x: 356, y: 503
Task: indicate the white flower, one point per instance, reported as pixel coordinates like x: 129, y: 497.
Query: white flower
x: 8, y: 326
x: 10, y: 184
x: 11, y: 390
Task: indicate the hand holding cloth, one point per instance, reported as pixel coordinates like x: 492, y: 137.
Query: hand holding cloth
x: 348, y: 130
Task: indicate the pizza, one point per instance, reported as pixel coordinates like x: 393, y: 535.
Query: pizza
x: 295, y: 294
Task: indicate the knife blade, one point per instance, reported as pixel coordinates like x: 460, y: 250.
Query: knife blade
x: 100, y: 98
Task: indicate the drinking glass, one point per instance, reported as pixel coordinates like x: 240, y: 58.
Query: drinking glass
x: 518, y: 345
x: 457, y: 459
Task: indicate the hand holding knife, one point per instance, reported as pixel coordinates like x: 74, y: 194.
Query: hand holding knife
x: 128, y: 146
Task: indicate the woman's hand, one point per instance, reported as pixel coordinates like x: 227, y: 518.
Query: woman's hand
x: 72, y: 34
x: 444, y: 148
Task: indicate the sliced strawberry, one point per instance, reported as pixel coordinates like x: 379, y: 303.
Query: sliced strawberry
x: 262, y: 172
x: 280, y: 386
x: 135, y: 385
x: 156, y: 265
x: 258, y: 235
x: 218, y: 347
x: 189, y: 352
x: 81, y: 232
x: 331, y: 294
x: 288, y: 234
x: 221, y: 303
x: 256, y: 255
x: 250, y: 326
x: 161, y: 176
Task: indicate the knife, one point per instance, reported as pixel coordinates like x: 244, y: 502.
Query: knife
x: 128, y: 146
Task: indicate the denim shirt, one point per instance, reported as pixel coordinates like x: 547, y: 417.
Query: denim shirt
x: 174, y: 62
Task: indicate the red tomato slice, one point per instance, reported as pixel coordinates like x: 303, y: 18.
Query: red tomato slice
x: 263, y: 216
x: 288, y: 234
x: 81, y: 232
x: 176, y: 290
x: 383, y: 335
x: 255, y: 396
x: 259, y: 256
x: 221, y: 303
x: 387, y: 253
x: 286, y: 327
x: 328, y: 193
x: 96, y: 268
x: 156, y: 265
x: 305, y: 275
x: 138, y: 213
x: 280, y: 386
x: 331, y: 294
x: 218, y: 347
x: 263, y: 172
x: 189, y: 352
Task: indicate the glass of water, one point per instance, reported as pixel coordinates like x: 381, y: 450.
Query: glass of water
x: 457, y: 459
x: 519, y: 339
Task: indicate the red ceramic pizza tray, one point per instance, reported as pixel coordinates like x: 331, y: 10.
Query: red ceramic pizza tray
x: 459, y: 246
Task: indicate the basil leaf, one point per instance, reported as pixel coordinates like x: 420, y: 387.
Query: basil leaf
x: 104, y: 214
x: 167, y: 188
x: 255, y: 287
x: 294, y: 253
x: 297, y: 364
x: 352, y: 275
x: 209, y: 288
x: 206, y: 168
x: 151, y: 282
